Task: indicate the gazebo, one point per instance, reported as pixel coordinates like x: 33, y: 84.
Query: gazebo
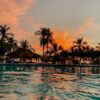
x: 23, y: 55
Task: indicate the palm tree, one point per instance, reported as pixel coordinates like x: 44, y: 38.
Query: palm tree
x: 79, y: 44
x: 3, y: 48
x: 12, y: 44
x: 4, y: 34
x: 63, y: 56
x: 45, y: 38
x: 78, y: 48
x: 98, y: 47
x: 55, y: 51
x: 55, y: 48
x: 97, y: 53
x: 49, y: 39
x: 24, y: 44
x: 25, y: 49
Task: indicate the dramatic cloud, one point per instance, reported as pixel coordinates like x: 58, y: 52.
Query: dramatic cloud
x: 89, y: 25
x: 11, y: 12
x: 63, y: 37
x: 88, y: 30
x: 14, y: 14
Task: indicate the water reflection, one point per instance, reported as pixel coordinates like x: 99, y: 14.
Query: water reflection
x: 49, y: 83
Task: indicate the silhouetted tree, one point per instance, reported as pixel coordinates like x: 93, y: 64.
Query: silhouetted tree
x: 12, y: 44
x: 79, y: 47
x: 55, y: 51
x: 45, y: 37
x: 26, y: 49
x: 63, y: 56
x: 98, y: 47
x: 49, y: 39
x: 79, y: 44
x: 4, y: 34
x: 24, y: 44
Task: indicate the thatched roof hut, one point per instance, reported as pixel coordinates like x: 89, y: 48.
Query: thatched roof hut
x: 23, y: 53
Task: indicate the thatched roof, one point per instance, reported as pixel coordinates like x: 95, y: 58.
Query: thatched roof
x: 23, y: 53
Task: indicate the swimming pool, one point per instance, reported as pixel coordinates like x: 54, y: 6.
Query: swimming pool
x: 49, y: 83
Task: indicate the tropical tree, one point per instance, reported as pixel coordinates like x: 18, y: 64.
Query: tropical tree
x: 49, y: 39
x: 25, y: 50
x: 88, y: 53
x: 12, y: 44
x: 4, y: 34
x: 98, y: 47
x: 63, y: 56
x: 24, y: 44
x: 55, y: 51
x: 79, y: 44
x: 97, y: 53
x: 45, y: 38
x: 78, y: 48
x: 3, y: 48
x: 55, y: 48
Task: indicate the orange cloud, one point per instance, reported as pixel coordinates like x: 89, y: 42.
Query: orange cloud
x: 63, y: 38
x: 66, y: 37
x: 11, y: 12
x: 89, y: 25
x: 85, y: 30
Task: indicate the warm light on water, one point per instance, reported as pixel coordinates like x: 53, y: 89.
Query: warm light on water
x: 48, y: 83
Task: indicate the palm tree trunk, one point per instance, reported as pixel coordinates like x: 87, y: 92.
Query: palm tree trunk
x: 43, y: 53
x: 47, y: 50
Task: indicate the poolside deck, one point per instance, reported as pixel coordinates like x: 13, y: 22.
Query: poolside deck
x: 41, y: 64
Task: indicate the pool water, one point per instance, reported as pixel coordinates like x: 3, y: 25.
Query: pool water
x: 49, y: 83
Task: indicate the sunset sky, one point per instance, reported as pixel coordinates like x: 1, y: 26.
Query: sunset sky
x: 68, y: 19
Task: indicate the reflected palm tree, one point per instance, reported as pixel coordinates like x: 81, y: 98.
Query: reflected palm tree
x: 45, y: 88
